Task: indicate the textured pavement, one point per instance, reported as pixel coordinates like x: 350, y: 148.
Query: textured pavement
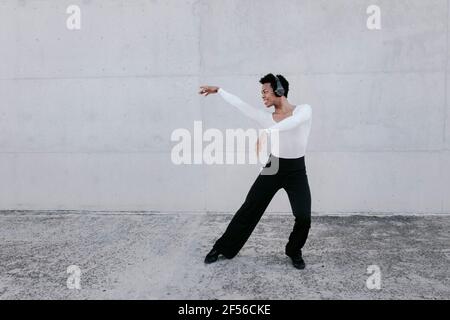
x: 160, y: 256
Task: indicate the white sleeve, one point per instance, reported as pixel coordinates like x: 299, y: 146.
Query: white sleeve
x: 302, y: 115
x: 248, y: 110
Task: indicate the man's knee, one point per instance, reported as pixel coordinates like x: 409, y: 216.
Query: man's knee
x: 303, y: 220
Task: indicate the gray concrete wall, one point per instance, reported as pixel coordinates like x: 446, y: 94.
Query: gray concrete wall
x: 86, y: 115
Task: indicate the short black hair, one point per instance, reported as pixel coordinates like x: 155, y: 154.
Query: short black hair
x: 270, y: 78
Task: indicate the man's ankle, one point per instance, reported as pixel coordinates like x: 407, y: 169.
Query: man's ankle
x: 291, y: 253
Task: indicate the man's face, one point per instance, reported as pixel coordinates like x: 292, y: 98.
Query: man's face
x: 268, y: 95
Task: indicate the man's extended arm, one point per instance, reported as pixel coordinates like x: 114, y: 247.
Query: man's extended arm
x: 248, y: 110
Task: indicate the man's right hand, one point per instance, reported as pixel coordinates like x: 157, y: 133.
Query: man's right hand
x: 205, y: 90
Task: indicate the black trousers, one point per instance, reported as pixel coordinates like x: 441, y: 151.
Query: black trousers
x: 292, y: 177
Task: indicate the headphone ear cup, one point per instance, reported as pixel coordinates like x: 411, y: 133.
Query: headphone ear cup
x: 279, y: 91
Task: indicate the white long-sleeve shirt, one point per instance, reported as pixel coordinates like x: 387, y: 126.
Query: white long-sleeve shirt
x: 293, y: 131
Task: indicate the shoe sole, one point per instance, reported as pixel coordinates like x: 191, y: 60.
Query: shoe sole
x: 300, y: 267
x: 210, y: 261
x: 297, y: 267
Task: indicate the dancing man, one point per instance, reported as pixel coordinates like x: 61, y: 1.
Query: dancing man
x: 293, y: 125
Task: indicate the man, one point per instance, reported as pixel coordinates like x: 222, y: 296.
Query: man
x: 293, y: 123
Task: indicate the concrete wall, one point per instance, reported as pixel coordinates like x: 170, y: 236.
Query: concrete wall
x: 86, y: 115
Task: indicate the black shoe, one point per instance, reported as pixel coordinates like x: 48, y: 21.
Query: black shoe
x: 212, y: 256
x: 297, y: 260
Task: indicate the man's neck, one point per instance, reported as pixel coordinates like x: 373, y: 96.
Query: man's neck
x: 284, y: 107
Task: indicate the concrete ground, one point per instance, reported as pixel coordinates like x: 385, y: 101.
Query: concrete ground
x: 155, y: 256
